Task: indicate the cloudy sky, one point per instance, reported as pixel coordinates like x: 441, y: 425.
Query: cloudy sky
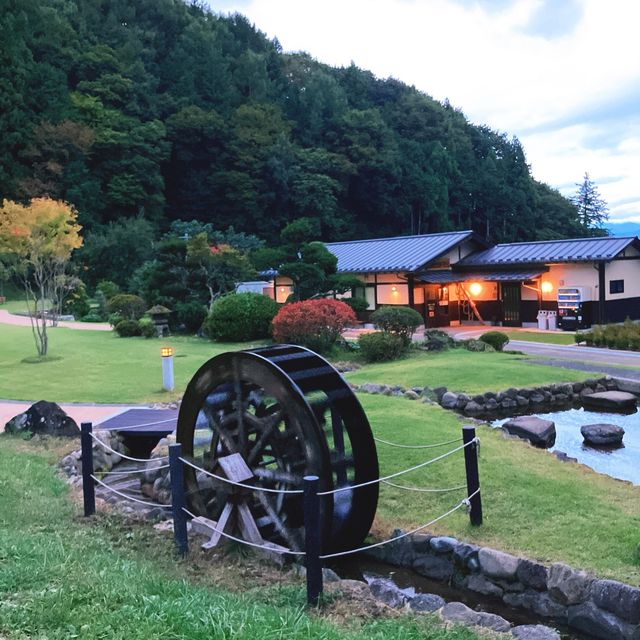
x: 561, y: 75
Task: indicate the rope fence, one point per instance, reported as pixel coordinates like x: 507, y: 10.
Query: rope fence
x: 96, y: 439
x: 311, y: 503
x: 417, y: 446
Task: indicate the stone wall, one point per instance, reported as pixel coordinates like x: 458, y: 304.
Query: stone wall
x: 493, y: 404
x: 557, y: 593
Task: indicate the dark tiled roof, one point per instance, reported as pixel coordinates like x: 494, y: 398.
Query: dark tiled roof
x: 578, y: 250
x: 444, y: 276
x: 403, y: 253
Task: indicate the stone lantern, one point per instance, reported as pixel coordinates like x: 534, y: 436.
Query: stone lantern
x: 160, y: 317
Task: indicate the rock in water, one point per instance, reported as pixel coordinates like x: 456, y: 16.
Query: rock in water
x: 541, y: 433
x: 45, y: 418
x: 610, y: 401
x: 602, y: 434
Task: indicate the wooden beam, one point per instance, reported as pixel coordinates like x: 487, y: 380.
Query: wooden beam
x: 472, y: 304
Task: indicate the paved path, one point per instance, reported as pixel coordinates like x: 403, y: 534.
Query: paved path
x: 24, y: 321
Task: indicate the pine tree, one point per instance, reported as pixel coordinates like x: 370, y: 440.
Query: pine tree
x: 593, y: 211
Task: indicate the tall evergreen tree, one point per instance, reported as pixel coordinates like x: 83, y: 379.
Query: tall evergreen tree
x: 593, y: 211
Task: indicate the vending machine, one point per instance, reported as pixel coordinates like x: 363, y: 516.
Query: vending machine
x: 573, y: 312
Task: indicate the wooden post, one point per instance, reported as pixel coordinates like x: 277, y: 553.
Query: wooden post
x: 473, y: 477
x: 177, y: 499
x: 312, y: 538
x: 88, y: 487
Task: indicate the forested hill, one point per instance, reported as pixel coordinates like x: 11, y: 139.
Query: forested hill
x: 160, y: 109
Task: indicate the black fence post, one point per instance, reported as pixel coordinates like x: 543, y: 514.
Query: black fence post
x: 177, y: 499
x: 473, y: 477
x: 88, y: 487
x: 312, y: 539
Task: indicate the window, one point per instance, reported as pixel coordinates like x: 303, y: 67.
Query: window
x: 616, y: 286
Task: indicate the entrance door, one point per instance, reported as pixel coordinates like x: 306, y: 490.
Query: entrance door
x: 511, y: 299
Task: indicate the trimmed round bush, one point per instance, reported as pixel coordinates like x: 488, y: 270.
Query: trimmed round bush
x: 402, y: 321
x: 130, y: 307
x: 316, y: 324
x: 147, y: 328
x: 92, y: 317
x: 240, y: 316
x: 357, y: 304
x: 379, y: 346
x: 496, y: 339
x: 128, y: 328
x: 191, y: 315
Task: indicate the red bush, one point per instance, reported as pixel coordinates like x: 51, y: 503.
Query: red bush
x: 316, y: 324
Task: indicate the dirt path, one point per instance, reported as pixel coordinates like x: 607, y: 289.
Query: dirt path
x: 23, y: 321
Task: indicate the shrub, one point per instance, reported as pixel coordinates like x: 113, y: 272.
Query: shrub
x: 496, y: 339
x: 108, y: 289
x: 402, y: 321
x: 316, y: 324
x: 128, y: 306
x: 357, y: 304
x: 437, y: 340
x: 240, y: 316
x: 114, y: 319
x: 380, y: 346
x: 191, y: 315
x: 128, y: 328
x: 92, y: 317
x: 147, y: 328
x: 478, y: 345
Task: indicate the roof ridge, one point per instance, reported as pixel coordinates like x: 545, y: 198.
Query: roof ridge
x: 564, y: 240
x: 419, y: 235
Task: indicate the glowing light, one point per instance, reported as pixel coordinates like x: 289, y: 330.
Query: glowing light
x: 394, y: 289
x: 282, y: 289
x: 165, y: 352
x: 546, y: 287
x: 475, y: 288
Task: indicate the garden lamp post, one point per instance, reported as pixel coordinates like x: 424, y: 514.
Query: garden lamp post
x: 167, y: 368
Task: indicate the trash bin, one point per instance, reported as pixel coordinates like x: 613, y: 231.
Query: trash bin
x: 543, y: 319
x: 552, y: 317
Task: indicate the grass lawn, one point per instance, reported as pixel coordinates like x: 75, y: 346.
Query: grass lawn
x: 533, y: 504
x: 97, y: 366
x: 65, y: 577
x: 563, y: 338
x: 462, y: 370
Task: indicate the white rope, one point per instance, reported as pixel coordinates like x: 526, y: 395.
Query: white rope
x: 417, y: 446
x: 125, y: 473
x: 135, y: 426
x: 157, y: 505
x: 240, y: 484
x: 122, y: 455
x: 421, y: 490
x: 463, y: 503
x: 250, y: 544
x: 399, y: 473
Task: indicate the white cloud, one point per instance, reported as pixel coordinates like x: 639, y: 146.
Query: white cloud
x: 489, y: 63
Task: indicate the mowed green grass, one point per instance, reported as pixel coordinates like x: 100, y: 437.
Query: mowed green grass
x: 534, y: 504
x: 462, y: 370
x: 63, y: 576
x: 97, y: 366
x: 562, y: 338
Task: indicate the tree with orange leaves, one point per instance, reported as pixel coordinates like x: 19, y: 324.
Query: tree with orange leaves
x: 39, y: 239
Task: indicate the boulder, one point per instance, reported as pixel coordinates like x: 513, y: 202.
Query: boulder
x: 610, y: 401
x: 532, y: 574
x: 619, y: 598
x: 388, y: 593
x: 481, y: 584
x: 44, y: 418
x: 459, y: 612
x: 598, y: 623
x: 535, y: 632
x: 473, y: 409
x: 540, y: 603
x: 602, y: 433
x: 426, y: 603
x: 443, y: 544
x: 541, y: 433
x: 497, y: 564
x: 466, y: 556
x: 568, y: 586
x: 449, y: 400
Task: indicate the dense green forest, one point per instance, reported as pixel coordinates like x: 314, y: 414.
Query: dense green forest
x: 152, y: 111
